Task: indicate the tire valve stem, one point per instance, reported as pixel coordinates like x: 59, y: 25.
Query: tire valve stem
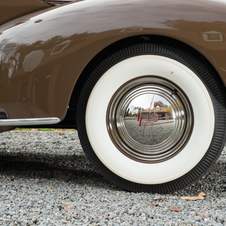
x: 174, y: 91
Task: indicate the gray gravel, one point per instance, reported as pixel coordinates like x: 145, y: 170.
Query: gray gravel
x: 156, y: 135
x: 43, y: 173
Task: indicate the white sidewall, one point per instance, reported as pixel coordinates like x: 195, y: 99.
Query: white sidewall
x: 125, y: 167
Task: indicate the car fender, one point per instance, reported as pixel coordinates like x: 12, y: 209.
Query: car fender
x: 43, y: 54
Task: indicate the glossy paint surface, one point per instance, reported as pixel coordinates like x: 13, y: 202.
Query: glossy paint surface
x: 43, y: 54
x: 12, y: 9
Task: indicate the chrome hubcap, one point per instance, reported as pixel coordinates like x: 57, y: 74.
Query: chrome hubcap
x: 149, y: 119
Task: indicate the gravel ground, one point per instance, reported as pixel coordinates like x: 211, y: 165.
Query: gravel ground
x: 156, y: 135
x: 46, y: 179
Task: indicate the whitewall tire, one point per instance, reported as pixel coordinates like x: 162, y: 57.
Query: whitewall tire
x: 145, y: 154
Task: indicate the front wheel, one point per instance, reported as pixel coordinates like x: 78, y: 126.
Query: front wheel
x: 118, y: 108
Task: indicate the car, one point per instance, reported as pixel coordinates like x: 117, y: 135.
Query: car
x: 142, y: 81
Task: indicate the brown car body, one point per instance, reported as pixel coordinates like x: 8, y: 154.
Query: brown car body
x: 69, y: 36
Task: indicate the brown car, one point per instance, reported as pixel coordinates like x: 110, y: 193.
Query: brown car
x: 96, y: 65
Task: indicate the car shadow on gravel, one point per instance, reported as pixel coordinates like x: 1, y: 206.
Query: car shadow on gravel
x: 69, y: 169
x: 77, y: 169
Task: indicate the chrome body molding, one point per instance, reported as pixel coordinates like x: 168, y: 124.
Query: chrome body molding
x: 29, y: 121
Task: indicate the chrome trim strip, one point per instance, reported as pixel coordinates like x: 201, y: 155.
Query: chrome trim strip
x: 29, y: 121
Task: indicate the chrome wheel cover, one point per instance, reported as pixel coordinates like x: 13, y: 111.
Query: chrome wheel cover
x: 149, y: 119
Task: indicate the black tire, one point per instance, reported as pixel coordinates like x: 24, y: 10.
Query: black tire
x: 163, y: 72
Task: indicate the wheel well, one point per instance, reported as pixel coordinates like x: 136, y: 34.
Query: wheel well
x: 114, y: 48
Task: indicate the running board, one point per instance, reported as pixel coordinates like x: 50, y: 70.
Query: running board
x: 29, y: 121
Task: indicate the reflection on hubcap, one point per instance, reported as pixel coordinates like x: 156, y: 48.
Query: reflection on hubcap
x: 149, y: 119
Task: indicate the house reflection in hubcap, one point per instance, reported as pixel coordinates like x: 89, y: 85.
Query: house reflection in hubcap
x: 150, y: 126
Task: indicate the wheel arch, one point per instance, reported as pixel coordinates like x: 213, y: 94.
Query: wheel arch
x: 123, y: 43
